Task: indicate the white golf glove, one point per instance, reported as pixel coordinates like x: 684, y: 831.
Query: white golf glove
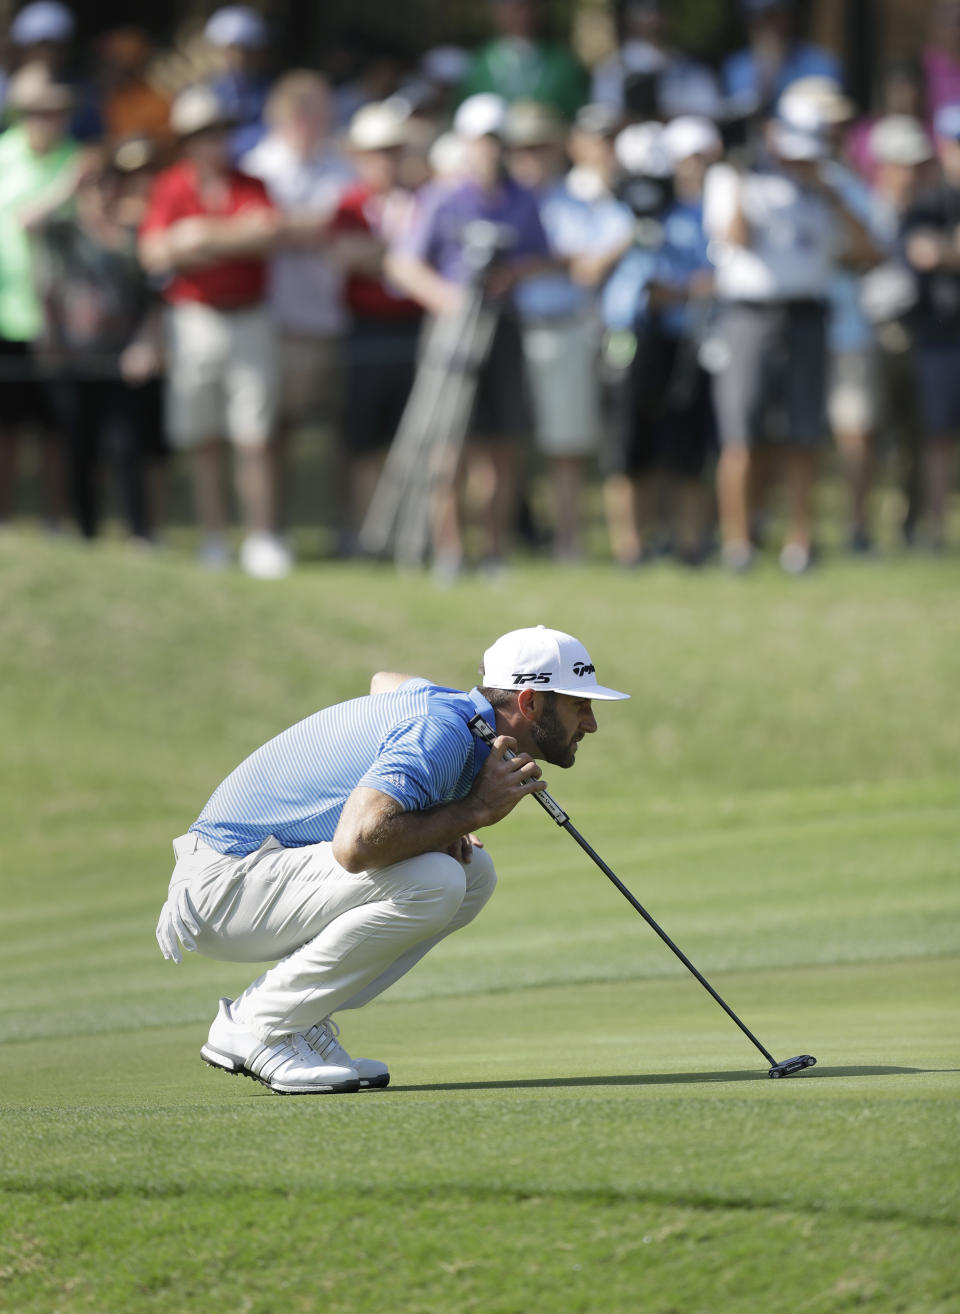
x: 175, y: 928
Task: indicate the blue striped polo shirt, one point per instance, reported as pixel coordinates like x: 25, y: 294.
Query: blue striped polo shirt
x: 412, y: 743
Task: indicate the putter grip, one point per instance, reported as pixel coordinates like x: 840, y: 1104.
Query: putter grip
x: 485, y: 731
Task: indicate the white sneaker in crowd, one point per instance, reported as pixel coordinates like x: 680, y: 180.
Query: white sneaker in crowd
x: 796, y: 559
x: 288, y: 1065
x: 737, y: 557
x: 323, y: 1039
x: 265, y: 556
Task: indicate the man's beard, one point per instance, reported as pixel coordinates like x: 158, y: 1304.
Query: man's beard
x: 553, y: 742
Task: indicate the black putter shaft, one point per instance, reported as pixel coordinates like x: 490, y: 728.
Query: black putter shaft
x: 483, y: 730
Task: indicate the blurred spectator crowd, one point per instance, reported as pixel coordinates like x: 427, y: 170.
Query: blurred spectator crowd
x: 704, y: 276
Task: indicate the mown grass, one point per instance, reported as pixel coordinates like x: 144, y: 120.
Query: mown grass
x: 573, y: 1125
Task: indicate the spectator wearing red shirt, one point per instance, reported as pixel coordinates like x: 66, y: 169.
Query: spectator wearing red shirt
x: 207, y: 231
x: 382, y: 340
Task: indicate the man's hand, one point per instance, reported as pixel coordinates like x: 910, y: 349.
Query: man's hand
x: 502, y: 783
x: 462, y: 849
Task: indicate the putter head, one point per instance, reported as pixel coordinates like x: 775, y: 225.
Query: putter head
x: 792, y: 1065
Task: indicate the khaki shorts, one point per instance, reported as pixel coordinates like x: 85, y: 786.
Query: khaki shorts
x: 562, y: 366
x: 221, y: 375
x: 312, y: 380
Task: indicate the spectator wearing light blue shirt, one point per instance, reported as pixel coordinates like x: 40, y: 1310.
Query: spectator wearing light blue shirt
x: 344, y: 848
x: 588, y: 230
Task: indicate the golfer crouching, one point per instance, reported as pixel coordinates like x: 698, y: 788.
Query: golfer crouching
x: 344, y: 848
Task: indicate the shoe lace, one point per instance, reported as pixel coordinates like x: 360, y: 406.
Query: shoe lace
x: 295, y: 1045
x: 323, y: 1040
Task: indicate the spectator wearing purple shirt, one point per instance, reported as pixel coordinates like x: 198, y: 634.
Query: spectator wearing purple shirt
x: 432, y: 266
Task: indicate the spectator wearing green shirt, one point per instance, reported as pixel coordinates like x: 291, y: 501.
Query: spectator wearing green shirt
x: 518, y: 64
x: 35, y: 154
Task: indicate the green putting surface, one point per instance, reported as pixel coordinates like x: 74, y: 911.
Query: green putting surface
x: 573, y: 1124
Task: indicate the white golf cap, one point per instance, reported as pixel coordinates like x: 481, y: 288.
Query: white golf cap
x: 690, y: 134
x: 815, y: 101
x: 379, y: 126
x: 542, y: 659
x: 900, y: 139
x: 482, y: 115
x: 799, y: 131
x: 639, y: 151
x: 197, y: 108
x: 448, y: 157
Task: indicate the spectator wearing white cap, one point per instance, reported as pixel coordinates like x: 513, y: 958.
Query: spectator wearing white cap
x: 645, y: 78
x: 901, y: 94
x: 932, y: 237
x: 432, y: 265
x: 240, y: 41
x: 305, y: 173
x: 207, y: 233
x: 588, y: 230
x: 374, y: 213
x: 777, y: 232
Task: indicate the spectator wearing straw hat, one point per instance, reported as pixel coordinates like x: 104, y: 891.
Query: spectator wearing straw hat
x: 207, y: 232
x: 42, y: 33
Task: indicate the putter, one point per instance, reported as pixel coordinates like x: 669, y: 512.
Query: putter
x: 483, y: 730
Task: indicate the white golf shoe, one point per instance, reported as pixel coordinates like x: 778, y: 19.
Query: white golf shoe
x: 287, y: 1065
x: 323, y: 1040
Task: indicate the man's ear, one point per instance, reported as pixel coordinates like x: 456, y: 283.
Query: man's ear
x: 528, y: 704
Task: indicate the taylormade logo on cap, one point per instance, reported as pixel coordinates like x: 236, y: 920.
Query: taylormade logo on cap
x: 538, y: 658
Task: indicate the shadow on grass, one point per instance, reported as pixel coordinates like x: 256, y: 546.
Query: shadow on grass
x: 662, y: 1079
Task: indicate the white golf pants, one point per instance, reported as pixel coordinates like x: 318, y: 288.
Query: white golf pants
x: 341, y: 937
